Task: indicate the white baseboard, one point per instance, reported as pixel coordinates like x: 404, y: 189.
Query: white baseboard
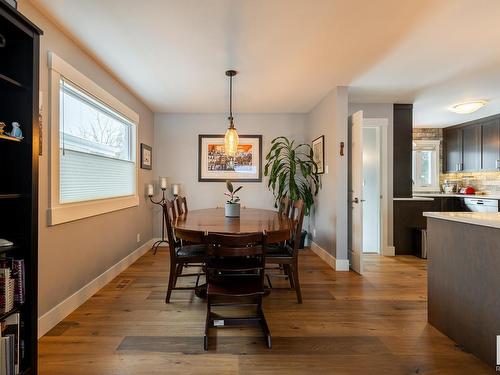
x: 336, y: 264
x: 52, y: 317
x: 389, y: 251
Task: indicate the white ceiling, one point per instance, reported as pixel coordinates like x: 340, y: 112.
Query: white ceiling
x: 290, y: 53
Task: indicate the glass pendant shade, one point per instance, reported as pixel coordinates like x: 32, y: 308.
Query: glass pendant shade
x: 231, y: 141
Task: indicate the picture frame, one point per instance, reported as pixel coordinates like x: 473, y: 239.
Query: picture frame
x: 318, y: 146
x: 215, y: 166
x: 146, y: 157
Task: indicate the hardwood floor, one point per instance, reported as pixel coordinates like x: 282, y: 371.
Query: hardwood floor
x: 375, y: 324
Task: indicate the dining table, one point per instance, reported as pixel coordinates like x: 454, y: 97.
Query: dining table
x: 213, y: 220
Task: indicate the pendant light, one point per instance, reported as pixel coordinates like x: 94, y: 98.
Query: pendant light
x: 231, y: 137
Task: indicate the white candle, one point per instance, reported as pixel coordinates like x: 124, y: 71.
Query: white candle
x: 175, y: 189
x: 150, y: 190
x: 163, y: 182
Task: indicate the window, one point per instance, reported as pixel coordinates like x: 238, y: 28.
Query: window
x: 93, y: 164
x: 425, y: 165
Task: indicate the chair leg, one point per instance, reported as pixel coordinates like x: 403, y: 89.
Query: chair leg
x: 172, y: 278
x: 265, y: 327
x: 288, y: 272
x: 295, y: 274
x: 207, y: 325
x: 269, y: 281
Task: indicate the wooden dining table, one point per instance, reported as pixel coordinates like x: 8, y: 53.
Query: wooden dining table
x: 251, y: 220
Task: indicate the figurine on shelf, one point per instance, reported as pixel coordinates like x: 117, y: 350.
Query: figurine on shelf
x: 16, y: 131
x: 2, y: 126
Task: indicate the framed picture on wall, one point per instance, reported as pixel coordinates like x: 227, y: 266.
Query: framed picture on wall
x: 214, y: 165
x: 146, y: 156
x: 318, y: 146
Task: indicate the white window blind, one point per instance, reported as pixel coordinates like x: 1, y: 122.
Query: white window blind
x: 425, y: 165
x: 97, y: 148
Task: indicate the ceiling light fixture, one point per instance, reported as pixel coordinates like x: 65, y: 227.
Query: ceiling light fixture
x: 231, y: 138
x: 468, y: 106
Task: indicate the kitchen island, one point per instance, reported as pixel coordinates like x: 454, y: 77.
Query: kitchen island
x: 464, y: 279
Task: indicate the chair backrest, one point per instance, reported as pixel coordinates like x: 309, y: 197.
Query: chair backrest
x: 235, y: 245
x: 297, y: 215
x: 181, y: 203
x: 285, y: 204
x: 170, y: 215
x: 278, y: 236
x: 189, y: 235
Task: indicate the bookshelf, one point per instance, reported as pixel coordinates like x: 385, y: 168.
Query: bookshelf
x: 19, y: 90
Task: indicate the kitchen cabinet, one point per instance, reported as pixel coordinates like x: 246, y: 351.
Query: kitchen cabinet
x: 402, y: 151
x: 491, y: 145
x: 471, y: 143
x: 453, y: 149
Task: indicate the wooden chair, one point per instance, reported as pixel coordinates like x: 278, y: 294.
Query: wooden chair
x: 181, y: 204
x: 286, y: 255
x: 284, y: 207
x: 182, y: 256
x: 235, y: 277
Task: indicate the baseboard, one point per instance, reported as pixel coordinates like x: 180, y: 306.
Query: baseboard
x: 336, y: 264
x: 389, y: 251
x: 52, y: 317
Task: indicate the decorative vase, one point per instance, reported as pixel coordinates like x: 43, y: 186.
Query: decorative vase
x: 232, y: 210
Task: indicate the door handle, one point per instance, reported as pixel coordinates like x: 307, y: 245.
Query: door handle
x: 357, y: 200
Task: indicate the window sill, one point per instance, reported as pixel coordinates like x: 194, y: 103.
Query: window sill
x: 75, y: 211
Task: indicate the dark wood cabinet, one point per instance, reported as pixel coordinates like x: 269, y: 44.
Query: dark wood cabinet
x: 453, y: 149
x: 402, y: 152
x: 471, y: 141
x: 473, y: 146
x: 491, y: 145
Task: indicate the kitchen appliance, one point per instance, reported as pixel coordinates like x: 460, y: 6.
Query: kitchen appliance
x: 481, y: 205
x: 468, y: 190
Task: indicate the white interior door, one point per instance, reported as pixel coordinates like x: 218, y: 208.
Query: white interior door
x: 356, y: 192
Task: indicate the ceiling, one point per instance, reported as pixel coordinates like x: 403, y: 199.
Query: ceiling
x: 290, y: 53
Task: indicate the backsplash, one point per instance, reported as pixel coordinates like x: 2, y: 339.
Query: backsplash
x: 486, y: 182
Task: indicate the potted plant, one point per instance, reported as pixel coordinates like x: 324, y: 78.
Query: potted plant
x: 292, y: 172
x: 232, y: 207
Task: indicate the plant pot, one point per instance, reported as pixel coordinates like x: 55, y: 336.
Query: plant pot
x: 232, y: 210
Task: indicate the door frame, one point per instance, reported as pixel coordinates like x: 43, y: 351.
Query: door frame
x: 383, y: 124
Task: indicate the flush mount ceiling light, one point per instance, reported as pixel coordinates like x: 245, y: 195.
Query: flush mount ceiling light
x: 231, y: 137
x: 468, y: 106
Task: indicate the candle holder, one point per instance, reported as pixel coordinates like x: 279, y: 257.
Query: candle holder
x: 160, y: 203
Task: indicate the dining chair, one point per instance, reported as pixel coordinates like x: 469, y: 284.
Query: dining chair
x: 284, y: 207
x: 186, y: 249
x: 181, y: 204
x: 286, y: 254
x: 235, y: 271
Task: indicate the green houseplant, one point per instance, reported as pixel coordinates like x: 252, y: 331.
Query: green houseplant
x: 232, y: 207
x: 292, y: 172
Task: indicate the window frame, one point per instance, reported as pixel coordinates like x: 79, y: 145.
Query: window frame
x: 422, y: 145
x: 59, y: 213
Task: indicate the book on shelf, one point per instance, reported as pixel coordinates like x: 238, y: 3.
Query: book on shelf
x: 10, y: 345
x: 7, y: 286
x: 17, y: 273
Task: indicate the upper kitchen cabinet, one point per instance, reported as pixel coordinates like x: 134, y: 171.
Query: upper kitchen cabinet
x: 473, y: 146
x: 471, y: 140
x: 453, y: 149
x: 491, y: 144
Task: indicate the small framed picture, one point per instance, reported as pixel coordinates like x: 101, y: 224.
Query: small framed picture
x: 318, y: 146
x: 146, y: 156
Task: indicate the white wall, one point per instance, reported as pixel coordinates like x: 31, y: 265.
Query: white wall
x: 382, y: 110
x: 329, y: 216
x: 175, y: 154
x: 73, y: 254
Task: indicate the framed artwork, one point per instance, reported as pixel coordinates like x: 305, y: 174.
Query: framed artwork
x: 146, y: 156
x: 318, y: 146
x: 214, y: 165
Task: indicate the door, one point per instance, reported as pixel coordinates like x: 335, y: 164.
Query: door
x: 491, y: 145
x: 453, y: 149
x: 471, y: 138
x: 355, y: 250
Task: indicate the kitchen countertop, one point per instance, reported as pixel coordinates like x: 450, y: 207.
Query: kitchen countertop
x: 454, y: 195
x: 414, y: 199
x: 485, y: 219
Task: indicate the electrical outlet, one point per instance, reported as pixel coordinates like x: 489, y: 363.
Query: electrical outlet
x: 138, y: 237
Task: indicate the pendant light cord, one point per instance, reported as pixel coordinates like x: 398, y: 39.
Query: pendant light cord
x: 231, y: 100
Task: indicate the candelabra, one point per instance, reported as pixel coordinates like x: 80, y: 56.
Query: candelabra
x: 163, y: 186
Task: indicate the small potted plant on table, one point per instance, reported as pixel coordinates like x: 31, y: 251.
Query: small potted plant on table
x: 232, y: 207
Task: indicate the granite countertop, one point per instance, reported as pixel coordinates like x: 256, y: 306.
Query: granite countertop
x: 485, y: 219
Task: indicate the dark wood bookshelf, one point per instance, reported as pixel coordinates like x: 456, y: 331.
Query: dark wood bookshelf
x: 19, y: 90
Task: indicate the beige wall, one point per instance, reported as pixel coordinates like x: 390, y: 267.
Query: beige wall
x: 73, y: 254
x: 329, y: 216
x: 176, y: 155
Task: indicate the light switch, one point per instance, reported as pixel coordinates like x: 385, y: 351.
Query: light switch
x: 326, y: 169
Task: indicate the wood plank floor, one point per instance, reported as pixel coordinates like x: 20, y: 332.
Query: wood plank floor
x: 375, y: 324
